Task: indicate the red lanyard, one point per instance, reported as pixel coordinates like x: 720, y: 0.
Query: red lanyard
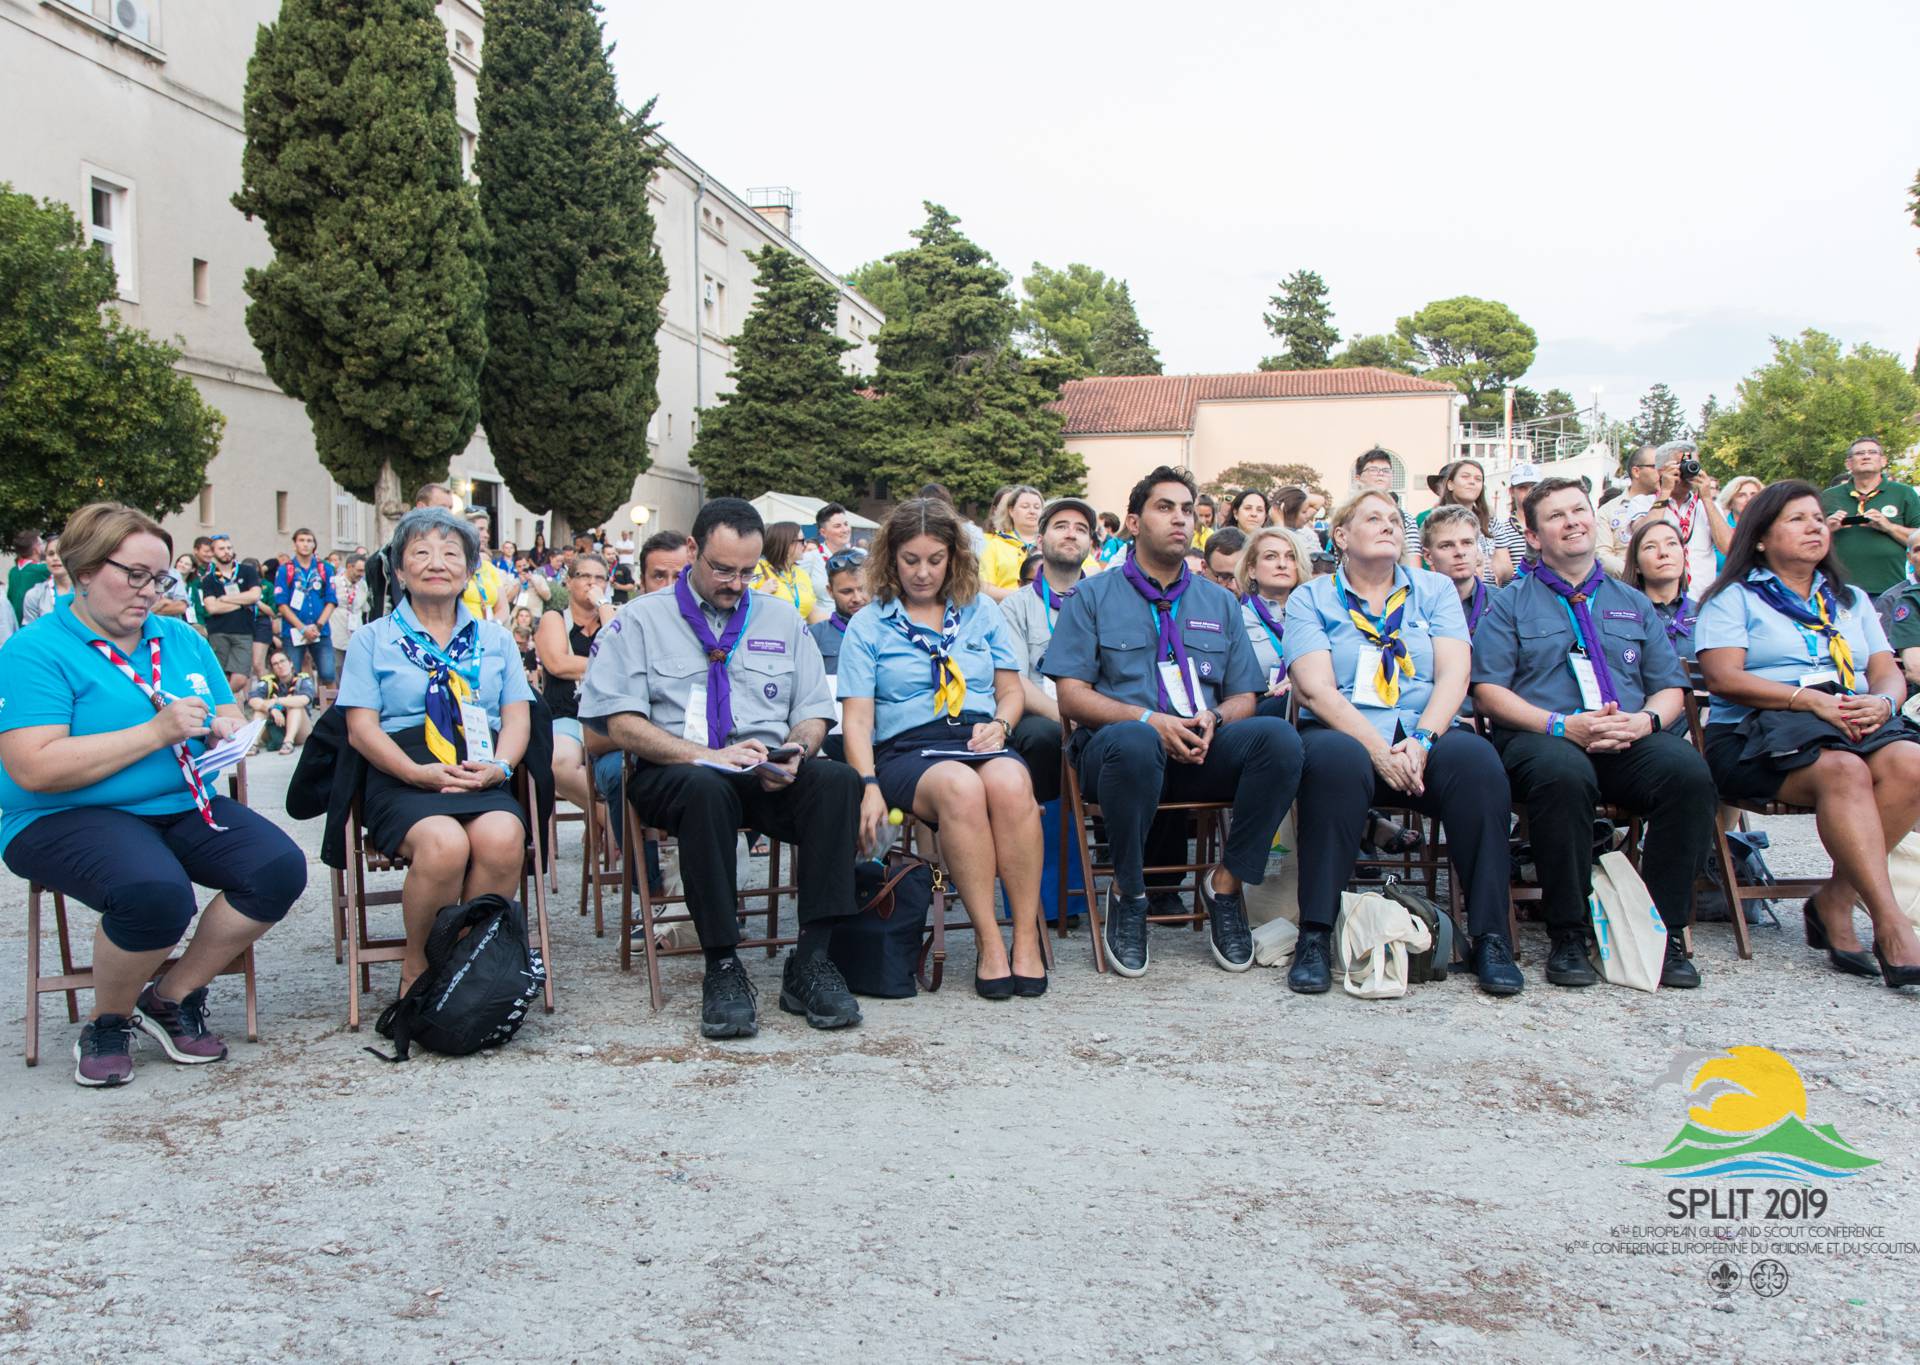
x: 151, y: 691
x: 1685, y: 517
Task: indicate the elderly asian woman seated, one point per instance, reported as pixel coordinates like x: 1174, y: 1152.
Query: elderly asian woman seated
x: 104, y: 707
x: 437, y: 703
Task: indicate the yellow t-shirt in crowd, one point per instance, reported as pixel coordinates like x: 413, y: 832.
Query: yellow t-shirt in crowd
x: 484, y: 591
x: 795, y: 585
x: 1000, y: 561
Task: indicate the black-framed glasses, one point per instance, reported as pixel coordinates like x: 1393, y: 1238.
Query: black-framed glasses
x: 138, y: 578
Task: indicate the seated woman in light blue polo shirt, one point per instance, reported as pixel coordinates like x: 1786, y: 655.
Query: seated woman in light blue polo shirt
x: 1806, y: 709
x: 929, y: 664
x: 103, y: 709
x: 437, y: 703
x: 1379, y: 657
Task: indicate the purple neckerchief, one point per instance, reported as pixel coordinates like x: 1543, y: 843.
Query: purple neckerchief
x: 719, y: 687
x: 1277, y: 629
x: 1577, y: 600
x: 1164, y: 604
x: 1476, y: 605
x: 839, y: 622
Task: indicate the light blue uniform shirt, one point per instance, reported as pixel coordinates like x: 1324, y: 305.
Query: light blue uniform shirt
x: 378, y: 676
x: 1317, y: 622
x: 877, y: 661
x: 1777, y: 648
x: 54, y: 676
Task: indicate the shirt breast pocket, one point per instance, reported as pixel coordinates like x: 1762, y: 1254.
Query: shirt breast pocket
x: 1209, y: 655
x: 1544, y: 646
x: 769, y: 680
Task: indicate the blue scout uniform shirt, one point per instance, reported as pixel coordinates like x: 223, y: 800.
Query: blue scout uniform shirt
x: 314, y: 584
x: 1527, y: 637
x: 1778, y: 648
x: 54, y: 676
x: 1106, y: 636
x: 829, y: 637
x: 378, y: 676
x: 877, y: 661
x: 1317, y: 622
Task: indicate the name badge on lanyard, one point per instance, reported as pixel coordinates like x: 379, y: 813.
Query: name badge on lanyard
x: 1185, y: 701
x: 478, y: 729
x: 694, y: 728
x: 1583, y: 674
x: 297, y: 599
x: 1366, y: 680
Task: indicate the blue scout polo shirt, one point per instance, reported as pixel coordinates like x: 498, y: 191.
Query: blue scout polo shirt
x: 1317, y: 622
x: 877, y: 661
x: 1527, y: 636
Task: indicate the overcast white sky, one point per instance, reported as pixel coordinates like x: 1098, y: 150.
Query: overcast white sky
x: 1655, y: 188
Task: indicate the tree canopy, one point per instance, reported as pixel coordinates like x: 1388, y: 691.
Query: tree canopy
x: 574, y: 278
x: 90, y: 408
x: 1377, y: 350
x: 1477, y: 345
x: 1122, y: 344
x: 1661, y: 418
x: 1082, y: 314
x: 1267, y: 478
x: 1303, y: 322
x: 880, y: 283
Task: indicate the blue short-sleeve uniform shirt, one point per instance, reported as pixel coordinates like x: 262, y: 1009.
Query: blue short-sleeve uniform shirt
x: 1107, y: 636
x: 378, y: 675
x: 1317, y: 622
x: 1528, y: 636
x: 878, y: 661
x: 313, y: 583
x: 1777, y: 648
x: 52, y: 675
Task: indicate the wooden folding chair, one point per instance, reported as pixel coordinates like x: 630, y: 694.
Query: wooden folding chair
x: 599, y: 866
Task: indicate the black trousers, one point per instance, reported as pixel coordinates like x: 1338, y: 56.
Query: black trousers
x: 1037, y: 740
x: 1255, y: 763
x: 819, y: 814
x: 1465, y: 787
x: 1661, y: 778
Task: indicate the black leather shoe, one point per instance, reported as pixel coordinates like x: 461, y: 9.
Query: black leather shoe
x: 727, y: 1008
x: 1568, y: 963
x: 1848, y: 961
x: 1493, y: 965
x: 1312, y: 969
x: 1125, y: 930
x: 814, y: 987
x: 1678, y: 972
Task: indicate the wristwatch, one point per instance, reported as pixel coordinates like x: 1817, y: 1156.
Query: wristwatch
x: 869, y: 780
x: 1218, y: 719
x: 1424, y: 738
x: 1654, y: 716
x: 1557, y: 724
x: 1005, y: 727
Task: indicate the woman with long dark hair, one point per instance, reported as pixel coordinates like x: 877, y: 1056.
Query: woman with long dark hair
x: 1806, y: 709
x: 1249, y: 511
x: 1464, y: 484
x: 1656, y: 563
x: 779, y: 572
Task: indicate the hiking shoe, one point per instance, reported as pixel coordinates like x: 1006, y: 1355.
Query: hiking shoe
x: 1125, y: 931
x: 180, y: 1028
x: 104, y: 1054
x: 1493, y: 964
x: 1678, y: 971
x: 1312, y: 969
x: 727, y: 1008
x: 1568, y: 963
x: 814, y: 987
x: 1227, y: 931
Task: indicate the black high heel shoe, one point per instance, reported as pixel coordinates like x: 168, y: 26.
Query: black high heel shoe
x: 1847, y: 961
x: 1896, y: 977
x: 995, y: 988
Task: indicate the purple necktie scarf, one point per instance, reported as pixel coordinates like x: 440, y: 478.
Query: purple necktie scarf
x: 1165, y: 603
x: 1577, y: 600
x: 719, y: 686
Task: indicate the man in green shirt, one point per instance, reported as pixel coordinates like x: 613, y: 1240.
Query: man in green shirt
x: 29, y: 570
x: 1871, y: 517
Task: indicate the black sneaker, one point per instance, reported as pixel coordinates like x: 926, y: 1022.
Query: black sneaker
x: 1167, y: 903
x: 1227, y: 931
x: 727, y: 1008
x: 814, y: 987
x: 1678, y: 971
x: 1493, y: 964
x: 104, y: 1054
x: 1126, y: 933
x: 1312, y: 969
x: 1568, y: 963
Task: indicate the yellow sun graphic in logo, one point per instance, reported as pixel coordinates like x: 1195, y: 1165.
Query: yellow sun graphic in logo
x: 1761, y: 1088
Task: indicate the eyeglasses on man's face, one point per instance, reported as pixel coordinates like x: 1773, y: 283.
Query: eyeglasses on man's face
x: 138, y: 578
x: 721, y: 575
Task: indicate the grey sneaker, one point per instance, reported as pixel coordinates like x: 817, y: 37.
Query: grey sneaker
x: 1227, y: 931
x: 104, y: 1054
x: 1125, y: 930
x: 180, y: 1029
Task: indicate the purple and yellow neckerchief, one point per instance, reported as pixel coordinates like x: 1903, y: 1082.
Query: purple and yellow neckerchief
x: 1820, y: 617
x: 1165, y: 603
x: 1382, y: 633
x: 1576, y: 600
x: 718, y: 652
x: 949, y: 683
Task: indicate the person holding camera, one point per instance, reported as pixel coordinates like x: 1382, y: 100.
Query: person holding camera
x: 1686, y: 499
x: 1871, y: 517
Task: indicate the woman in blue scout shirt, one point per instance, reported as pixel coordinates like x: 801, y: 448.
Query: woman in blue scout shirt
x: 436, y: 703
x: 929, y: 664
x: 1806, y: 709
x: 1379, y: 655
x: 104, y: 707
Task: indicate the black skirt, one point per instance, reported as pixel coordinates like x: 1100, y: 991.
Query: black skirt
x: 391, y: 807
x: 1751, y: 757
x: 898, y: 764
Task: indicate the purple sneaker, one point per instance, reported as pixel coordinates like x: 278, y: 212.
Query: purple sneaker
x: 181, y: 1029
x: 104, y: 1054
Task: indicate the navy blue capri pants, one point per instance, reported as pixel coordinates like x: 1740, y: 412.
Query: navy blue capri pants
x: 139, y: 871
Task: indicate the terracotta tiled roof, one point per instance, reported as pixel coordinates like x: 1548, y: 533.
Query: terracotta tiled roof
x: 1154, y: 402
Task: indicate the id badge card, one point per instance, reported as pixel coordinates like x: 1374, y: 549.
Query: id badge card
x: 1275, y: 676
x: 1366, y: 677
x: 297, y: 599
x: 1048, y: 686
x: 1583, y: 674
x: 1820, y: 677
x: 694, y: 728
x: 479, y: 733
x: 1177, y: 694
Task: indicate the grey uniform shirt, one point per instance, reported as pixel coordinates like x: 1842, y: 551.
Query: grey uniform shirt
x: 828, y: 637
x: 647, y: 661
x: 1526, y: 638
x: 1031, y: 621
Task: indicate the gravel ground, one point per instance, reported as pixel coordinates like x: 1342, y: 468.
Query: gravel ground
x: 1190, y: 1166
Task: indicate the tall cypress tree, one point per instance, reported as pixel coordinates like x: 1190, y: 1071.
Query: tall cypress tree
x: 574, y: 278
x: 1121, y: 343
x: 370, y: 312
x: 1302, y: 319
x: 957, y: 404
x: 794, y: 420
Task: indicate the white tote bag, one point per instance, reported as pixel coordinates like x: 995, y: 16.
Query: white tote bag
x: 1628, y: 930
x: 1903, y: 868
x: 1371, y: 940
x: 1278, y: 896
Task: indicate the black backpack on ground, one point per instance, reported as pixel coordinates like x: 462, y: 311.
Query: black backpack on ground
x: 878, y: 950
x: 483, y: 974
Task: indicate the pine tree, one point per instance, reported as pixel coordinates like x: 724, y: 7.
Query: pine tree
x: 794, y: 421
x: 371, y: 311
x: 1121, y: 344
x: 1708, y: 411
x: 1661, y: 418
x: 573, y: 276
x: 1302, y: 320
x: 90, y: 408
x: 957, y: 404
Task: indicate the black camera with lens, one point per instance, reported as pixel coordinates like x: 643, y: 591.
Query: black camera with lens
x: 1689, y: 469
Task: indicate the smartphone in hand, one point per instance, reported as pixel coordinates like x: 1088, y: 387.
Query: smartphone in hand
x: 784, y: 752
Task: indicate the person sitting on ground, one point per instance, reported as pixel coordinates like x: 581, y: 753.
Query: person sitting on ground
x: 1657, y: 566
x: 563, y: 642
x: 1011, y: 537
x: 1220, y: 561
x: 42, y: 595
x: 779, y: 573
x: 1453, y: 546
x: 104, y: 708
x: 1587, y: 699
x: 437, y: 702
x: 1806, y: 709
x: 1152, y: 664
x: 1379, y: 656
x: 929, y: 669
x: 709, y: 674
x: 285, y: 699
